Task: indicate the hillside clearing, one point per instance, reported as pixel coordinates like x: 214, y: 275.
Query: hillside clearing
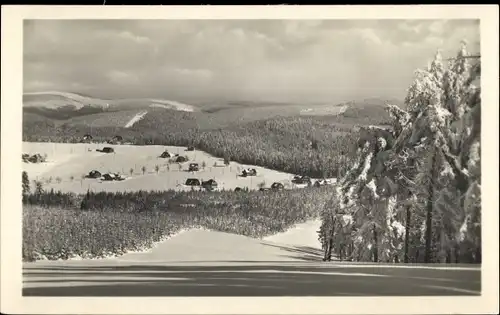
x: 68, y: 163
x: 135, y: 119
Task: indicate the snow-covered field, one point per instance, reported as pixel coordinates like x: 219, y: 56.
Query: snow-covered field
x: 68, y: 163
x: 199, y: 262
x: 172, y: 105
x: 198, y: 245
x: 324, y: 110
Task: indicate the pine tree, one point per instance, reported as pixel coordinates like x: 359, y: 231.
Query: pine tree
x: 26, y: 184
x: 38, y: 188
x: 450, y: 121
x: 425, y: 173
x: 226, y: 159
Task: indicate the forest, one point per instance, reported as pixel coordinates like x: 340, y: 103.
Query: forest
x: 414, y: 194
x: 298, y: 145
x: 64, y: 225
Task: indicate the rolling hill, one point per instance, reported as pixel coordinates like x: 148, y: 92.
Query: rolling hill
x: 74, y: 108
x: 274, y: 135
x: 55, y: 100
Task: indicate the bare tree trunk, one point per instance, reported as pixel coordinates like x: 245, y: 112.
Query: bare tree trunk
x: 430, y: 206
x: 375, y: 247
x: 478, y: 254
x: 329, y: 245
x: 457, y: 254
x: 442, y: 248
x: 407, y: 234
x: 329, y: 250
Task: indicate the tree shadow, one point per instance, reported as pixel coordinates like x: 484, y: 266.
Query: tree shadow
x: 269, y: 279
x: 306, y: 253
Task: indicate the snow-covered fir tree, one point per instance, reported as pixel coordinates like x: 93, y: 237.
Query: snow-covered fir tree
x: 413, y: 193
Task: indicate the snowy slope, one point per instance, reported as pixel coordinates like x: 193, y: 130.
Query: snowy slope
x: 135, y: 119
x: 57, y: 99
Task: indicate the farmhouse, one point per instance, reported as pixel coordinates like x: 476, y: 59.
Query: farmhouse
x: 277, y: 186
x: 94, y: 174
x: 107, y: 150
x: 192, y: 182
x: 35, y: 158
x: 181, y: 159
x: 111, y: 176
x: 108, y: 177
x: 115, y: 140
x: 165, y: 155
x: 194, y: 167
x: 209, y: 184
x: 249, y: 172
x: 322, y: 182
x: 300, y: 180
x: 87, y: 137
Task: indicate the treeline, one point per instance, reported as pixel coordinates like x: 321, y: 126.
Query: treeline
x: 366, y: 115
x: 296, y: 145
x: 64, y: 112
x: 61, y: 225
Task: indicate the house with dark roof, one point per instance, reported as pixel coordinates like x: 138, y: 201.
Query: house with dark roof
x: 165, y: 155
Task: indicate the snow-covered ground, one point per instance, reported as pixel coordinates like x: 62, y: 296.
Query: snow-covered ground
x: 135, y: 119
x: 304, y: 234
x: 172, y: 105
x: 67, y: 163
x: 199, y: 262
x: 55, y: 99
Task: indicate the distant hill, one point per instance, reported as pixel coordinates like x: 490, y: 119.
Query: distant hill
x: 369, y: 111
x: 277, y: 136
x: 69, y: 104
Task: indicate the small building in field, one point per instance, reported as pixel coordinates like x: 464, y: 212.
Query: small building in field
x: 112, y: 177
x: 301, y: 180
x: 35, y: 158
x: 277, y: 186
x: 192, y: 182
x: 194, y: 167
x: 249, y: 172
x: 94, y: 174
x: 209, y: 184
x: 117, y: 138
x: 181, y: 159
x: 107, y: 150
x: 165, y: 155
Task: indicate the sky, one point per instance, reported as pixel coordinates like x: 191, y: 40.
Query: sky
x: 202, y: 60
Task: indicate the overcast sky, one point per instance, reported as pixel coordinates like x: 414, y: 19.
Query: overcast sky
x: 284, y: 60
